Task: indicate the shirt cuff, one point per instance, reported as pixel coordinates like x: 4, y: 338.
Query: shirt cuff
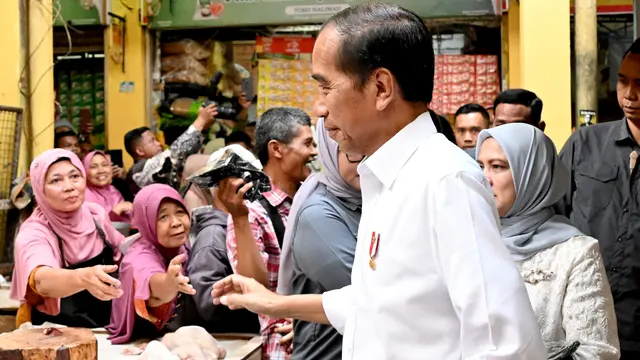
x: 191, y: 129
x: 336, y: 305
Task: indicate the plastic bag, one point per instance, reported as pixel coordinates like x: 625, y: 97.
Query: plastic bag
x: 182, y: 107
x: 186, y: 77
x: 186, y: 46
x: 183, y: 63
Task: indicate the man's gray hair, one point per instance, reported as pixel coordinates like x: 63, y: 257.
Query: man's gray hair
x: 280, y: 124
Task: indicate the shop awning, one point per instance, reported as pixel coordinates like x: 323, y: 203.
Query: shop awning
x: 222, y: 13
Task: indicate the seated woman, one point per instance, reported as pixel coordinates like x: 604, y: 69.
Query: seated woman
x: 320, y: 242
x: 101, y: 191
x: 562, y: 268
x: 208, y: 261
x: 65, y: 250
x: 152, y: 274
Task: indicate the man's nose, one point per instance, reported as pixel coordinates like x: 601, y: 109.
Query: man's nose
x: 632, y: 93
x: 319, y: 108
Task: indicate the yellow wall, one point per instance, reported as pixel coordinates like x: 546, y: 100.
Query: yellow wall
x: 10, y: 65
x: 10, y: 59
x: 42, y: 99
x: 41, y: 50
x: 540, y: 59
x: 125, y: 111
x: 513, y: 35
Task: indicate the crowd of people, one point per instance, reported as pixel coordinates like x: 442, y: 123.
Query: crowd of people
x: 415, y: 240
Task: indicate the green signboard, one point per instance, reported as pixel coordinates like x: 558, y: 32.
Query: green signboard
x: 79, y: 12
x: 218, y: 13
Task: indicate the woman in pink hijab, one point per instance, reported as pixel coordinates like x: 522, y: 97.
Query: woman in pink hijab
x: 100, y: 190
x: 65, y: 250
x: 152, y: 274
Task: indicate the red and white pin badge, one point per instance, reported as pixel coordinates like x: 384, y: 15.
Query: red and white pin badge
x: 373, y: 249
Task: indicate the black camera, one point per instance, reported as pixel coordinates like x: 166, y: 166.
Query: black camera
x: 228, y: 108
x: 231, y: 164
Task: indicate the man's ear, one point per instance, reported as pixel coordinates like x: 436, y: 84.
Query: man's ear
x: 542, y: 125
x: 385, y: 88
x: 138, y: 151
x: 275, y: 149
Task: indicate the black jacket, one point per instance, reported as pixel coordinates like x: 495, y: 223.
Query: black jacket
x: 208, y: 263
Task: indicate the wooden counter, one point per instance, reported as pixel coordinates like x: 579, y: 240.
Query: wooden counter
x: 238, y: 346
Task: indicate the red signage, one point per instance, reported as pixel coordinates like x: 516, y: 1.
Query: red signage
x: 285, y: 45
x: 604, y: 7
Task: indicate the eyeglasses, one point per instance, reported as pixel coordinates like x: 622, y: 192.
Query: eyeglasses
x: 355, y: 159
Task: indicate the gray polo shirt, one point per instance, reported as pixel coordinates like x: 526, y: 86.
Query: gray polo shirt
x: 324, y: 246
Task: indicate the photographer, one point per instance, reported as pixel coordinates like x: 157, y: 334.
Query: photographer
x: 239, y: 84
x: 285, y: 146
x: 152, y: 165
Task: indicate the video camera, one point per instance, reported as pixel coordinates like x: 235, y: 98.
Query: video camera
x: 231, y: 164
x: 228, y: 108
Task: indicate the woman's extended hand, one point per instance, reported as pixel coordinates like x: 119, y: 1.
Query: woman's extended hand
x: 97, y: 281
x: 124, y: 207
x: 174, y: 274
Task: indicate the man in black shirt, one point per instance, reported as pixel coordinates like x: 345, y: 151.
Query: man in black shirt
x: 604, y: 198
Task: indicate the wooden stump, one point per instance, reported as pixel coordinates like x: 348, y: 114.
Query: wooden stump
x: 49, y: 344
x: 7, y: 323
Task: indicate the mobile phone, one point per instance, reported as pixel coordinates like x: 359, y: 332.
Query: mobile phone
x: 247, y: 88
x: 116, y: 157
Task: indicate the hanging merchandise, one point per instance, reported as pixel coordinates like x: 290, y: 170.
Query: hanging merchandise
x: 285, y: 83
x: 185, y: 61
x: 117, y: 35
x: 464, y: 79
x: 116, y: 38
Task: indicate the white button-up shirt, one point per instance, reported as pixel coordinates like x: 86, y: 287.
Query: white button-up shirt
x: 443, y: 286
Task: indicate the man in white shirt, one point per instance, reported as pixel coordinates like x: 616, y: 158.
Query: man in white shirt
x: 431, y: 277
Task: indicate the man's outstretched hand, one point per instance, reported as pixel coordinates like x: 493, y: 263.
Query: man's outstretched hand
x: 239, y: 292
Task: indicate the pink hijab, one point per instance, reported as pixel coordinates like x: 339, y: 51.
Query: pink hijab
x: 37, y: 244
x: 108, y: 196
x: 144, y: 258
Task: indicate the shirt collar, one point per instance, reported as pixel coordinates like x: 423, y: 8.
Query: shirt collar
x: 390, y: 158
x: 276, y: 197
x: 622, y: 133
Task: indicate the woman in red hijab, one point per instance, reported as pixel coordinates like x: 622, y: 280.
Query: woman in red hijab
x: 67, y: 249
x: 152, y: 274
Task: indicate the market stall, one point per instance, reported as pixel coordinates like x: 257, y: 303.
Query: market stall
x: 79, y: 64
x: 272, y: 42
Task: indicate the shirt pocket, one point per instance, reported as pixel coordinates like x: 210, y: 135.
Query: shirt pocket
x: 595, y: 184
